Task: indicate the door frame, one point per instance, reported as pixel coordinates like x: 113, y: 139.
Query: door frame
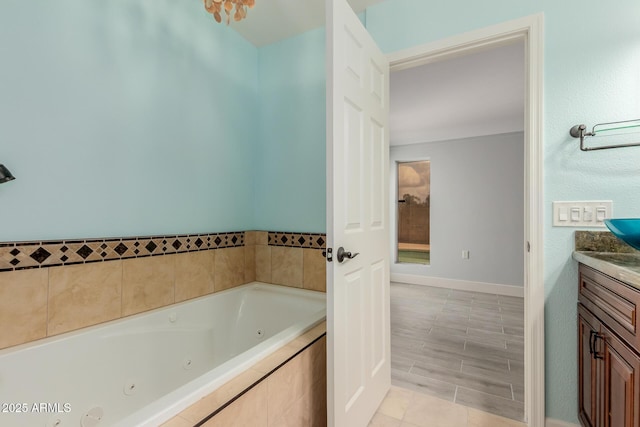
x: 530, y: 30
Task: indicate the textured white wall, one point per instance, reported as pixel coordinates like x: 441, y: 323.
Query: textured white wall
x: 477, y: 204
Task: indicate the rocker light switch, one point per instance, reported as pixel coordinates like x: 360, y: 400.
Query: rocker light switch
x: 575, y: 214
x: 562, y: 215
x: 588, y: 214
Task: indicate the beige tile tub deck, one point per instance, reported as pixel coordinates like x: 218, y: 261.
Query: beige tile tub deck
x: 219, y: 397
x: 178, y: 422
x: 293, y: 373
x: 249, y: 410
x: 285, y: 386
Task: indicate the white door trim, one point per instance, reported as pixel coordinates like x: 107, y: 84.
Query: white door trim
x: 529, y: 29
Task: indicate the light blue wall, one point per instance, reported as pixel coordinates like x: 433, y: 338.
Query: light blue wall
x: 124, y: 118
x: 128, y: 118
x: 121, y: 118
x: 290, y: 174
x: 592, y: 75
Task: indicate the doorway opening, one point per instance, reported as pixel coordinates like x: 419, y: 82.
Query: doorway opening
x: 529, y: 31
x: 459, y: 338
x: 355, y: 69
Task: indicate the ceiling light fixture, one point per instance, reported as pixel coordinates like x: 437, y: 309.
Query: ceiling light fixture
x: 215, y: 7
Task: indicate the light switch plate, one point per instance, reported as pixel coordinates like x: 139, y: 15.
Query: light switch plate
x: 588, y: 213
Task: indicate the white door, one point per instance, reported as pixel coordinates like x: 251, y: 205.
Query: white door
x: 359, y: 371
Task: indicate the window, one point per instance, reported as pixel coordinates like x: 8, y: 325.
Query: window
x: 414, y: 188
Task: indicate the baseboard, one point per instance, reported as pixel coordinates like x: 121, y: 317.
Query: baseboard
x: 464, y: 285
x: 550, y: 422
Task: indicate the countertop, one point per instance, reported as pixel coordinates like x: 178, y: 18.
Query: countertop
x: 622, y: 266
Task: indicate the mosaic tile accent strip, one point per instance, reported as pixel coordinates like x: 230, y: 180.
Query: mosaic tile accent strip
x: 23, y: 255
x: 600, y: 241
x: 297, y: 240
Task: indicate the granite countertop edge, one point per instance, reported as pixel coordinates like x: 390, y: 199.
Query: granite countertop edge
x: 623, y: 267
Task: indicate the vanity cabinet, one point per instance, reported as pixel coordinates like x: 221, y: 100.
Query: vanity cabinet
x: 608, y: 352
x: 587, y: 371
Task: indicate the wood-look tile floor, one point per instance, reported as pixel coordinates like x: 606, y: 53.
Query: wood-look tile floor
x: 407, y: 408
x: 463, y: 347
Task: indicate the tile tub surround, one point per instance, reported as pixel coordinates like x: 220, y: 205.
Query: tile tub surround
x: 41, y: 302
x: 24, y: 255
x: 48, y: 288
x: 296, y: 240
x: 291, y: 259
x: 286, y: 388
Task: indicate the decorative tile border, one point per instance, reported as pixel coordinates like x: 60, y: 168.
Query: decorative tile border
x: 36, y: 254
x: 297, y: 240
x: 23, y: 255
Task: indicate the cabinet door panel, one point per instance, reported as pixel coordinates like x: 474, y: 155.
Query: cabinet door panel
x: 621, y: 383
x: 612, y: 301
x: 587, y: 369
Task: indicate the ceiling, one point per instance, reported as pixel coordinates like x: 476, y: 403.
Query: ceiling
x: 472, y: 95
x: 477, y: 94
x: 273, y: 20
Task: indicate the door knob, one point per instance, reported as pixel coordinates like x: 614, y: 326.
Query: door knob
x: 342, y: 254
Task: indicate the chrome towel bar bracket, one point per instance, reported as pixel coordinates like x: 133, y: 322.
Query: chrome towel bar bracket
x: 580, y: 131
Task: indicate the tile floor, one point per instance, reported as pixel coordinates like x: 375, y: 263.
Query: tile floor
x: 463, y: 347
x: 406, y: 408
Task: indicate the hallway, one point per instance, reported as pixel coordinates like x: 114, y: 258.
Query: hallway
x: 463, y: 347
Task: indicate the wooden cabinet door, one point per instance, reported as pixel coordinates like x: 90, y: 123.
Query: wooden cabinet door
x: 621, y: 388
x: 587, y: 369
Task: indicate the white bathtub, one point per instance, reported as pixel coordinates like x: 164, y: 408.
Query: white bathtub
x: 142, y: 370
